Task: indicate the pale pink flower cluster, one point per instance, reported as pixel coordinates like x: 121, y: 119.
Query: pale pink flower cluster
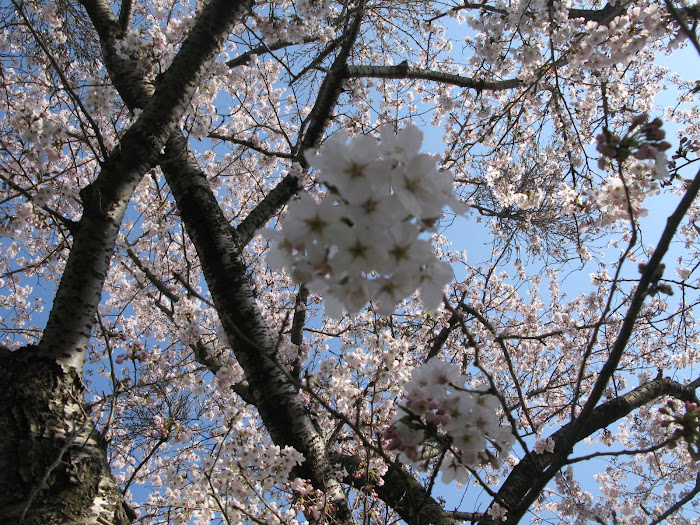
x: 497, y: 512
x: 169, y: 429
x: 617, y: 197
x: 464, y: 423
x: 362, y: 242
x: 308, y: 500
x: 505, y: 179
x: 544, y: 445
x: 228, y: 375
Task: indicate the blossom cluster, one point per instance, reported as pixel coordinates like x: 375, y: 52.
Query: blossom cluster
x: 544, y: 445
x: 308, y: 500
x: 643, y: 141
x: 622, y: 198
x: 440, y: 413
x: 497, y: 512
x: 687, y: 426
x: 362, y: 241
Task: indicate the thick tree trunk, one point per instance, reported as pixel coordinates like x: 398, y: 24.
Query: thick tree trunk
x: 53, y: 467
x: 52, y: 461
x: 220, y: 252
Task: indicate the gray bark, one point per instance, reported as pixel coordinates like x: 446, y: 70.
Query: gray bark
x: 220, y: 252
x: 405, y: 72
x: 54, y: 467
x: 104, y: 201
x: 401, y: 491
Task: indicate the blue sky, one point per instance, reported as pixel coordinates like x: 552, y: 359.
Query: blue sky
x: 467, y: 234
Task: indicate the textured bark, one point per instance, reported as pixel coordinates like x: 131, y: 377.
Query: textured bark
x: 219, y: 248
x: 52, y: 462
x: 220, y: 252
x: 410, y: 499
x: 602, y: 16
x: 406, y: 72
x: 400, y: 491
x: 105, y: 200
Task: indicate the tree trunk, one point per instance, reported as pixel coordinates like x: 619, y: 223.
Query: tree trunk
x: 53, y: 466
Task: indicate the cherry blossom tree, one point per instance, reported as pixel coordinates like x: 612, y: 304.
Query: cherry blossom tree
x: 227, y: 283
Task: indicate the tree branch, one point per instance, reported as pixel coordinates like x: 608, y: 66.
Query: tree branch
x: 220, y: 252
x: 125, y: 12
x: 678, y: 504
x: 250, y: 145
x: 533, y: 473
x: 400, y: 491
x: 406, y: 72
x: 318, y: 120
x: 299, y: 318
x: 603, y: 16
x: 105, y: 200
x: 246, y: 57
x: 523, y: 482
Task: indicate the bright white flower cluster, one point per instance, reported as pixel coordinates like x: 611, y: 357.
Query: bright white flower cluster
x: 441, y: 413
x: 362, y: 242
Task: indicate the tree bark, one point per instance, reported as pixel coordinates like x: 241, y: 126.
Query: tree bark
x: 220, y: 252
x: 53, y: 467
x: 400, y: 491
